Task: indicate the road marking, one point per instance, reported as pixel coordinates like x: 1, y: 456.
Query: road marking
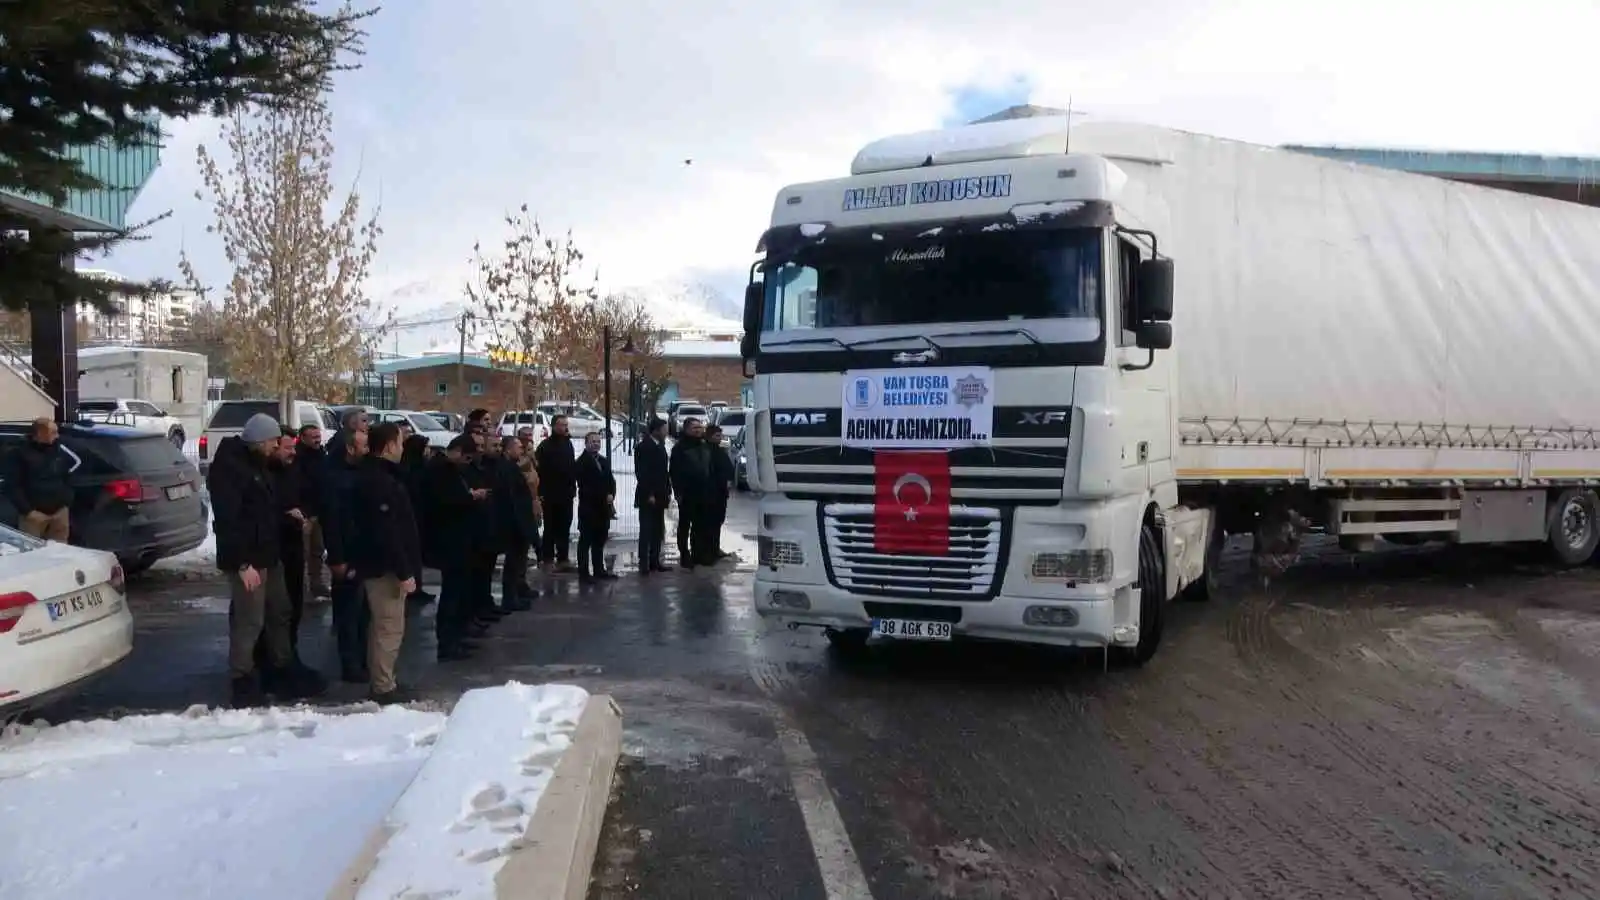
x: 842, y: 878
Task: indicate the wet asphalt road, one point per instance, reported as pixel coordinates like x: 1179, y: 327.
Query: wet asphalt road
x: 1416, y: 723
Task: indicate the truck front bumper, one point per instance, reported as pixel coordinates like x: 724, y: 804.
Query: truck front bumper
x: 794, y: 588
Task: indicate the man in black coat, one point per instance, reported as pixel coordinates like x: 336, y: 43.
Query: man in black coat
x: 388, y: 554
x: 351, y: 617
x: 721, y: 489
x: 652, y: 494
x: 37, y: 483
x: 311, y: 459
x: 288, y: 490
x: 246, y: 517
x: 558, y: 488
x: 690, y: 469
x: 514, y: 504
x: 488, y: 535
x: 452, y: 505
x: 597, y: 497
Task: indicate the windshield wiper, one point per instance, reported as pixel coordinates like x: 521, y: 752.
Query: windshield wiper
x: 1019, y: 332
x: 811, y: 340
x: 854, y: 345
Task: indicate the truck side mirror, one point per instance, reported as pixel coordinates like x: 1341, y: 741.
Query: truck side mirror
x: 1155, y: 291
x: 1154, y: 336
x: 755, y: 296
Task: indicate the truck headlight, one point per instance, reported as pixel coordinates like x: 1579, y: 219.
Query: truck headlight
x: 1071, y: 567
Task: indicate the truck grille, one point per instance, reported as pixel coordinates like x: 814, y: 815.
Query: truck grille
x: 971, y: 571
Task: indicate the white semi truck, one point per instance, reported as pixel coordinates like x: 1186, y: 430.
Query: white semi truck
x: 1012, y: 387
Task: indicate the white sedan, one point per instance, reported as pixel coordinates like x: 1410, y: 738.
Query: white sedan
x: 63, y: 620
x: 438, y: 436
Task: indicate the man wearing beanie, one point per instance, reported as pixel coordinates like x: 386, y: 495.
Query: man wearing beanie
x: 245, y: 515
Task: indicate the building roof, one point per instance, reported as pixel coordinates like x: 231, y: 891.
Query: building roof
x: 700, y: 349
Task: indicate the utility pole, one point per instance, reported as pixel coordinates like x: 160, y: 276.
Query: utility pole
x: 461, y: 359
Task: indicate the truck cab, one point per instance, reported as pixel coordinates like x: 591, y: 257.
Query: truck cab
x: 964, y: 398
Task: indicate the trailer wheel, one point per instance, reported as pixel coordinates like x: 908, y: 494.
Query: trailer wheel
x: 1574, y: 527
x: 1152, y: 602
x: 1208, y: 585
x: 848, y: 642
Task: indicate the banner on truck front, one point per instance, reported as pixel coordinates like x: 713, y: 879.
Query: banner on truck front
x: 918, y: 409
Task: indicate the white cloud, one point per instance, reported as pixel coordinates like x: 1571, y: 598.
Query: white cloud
x: 587, y: 111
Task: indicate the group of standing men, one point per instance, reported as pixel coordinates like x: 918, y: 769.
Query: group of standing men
x: 699, y: 474
x: 385, y: 505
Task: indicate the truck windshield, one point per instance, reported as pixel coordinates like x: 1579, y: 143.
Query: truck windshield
x: 981, y: 277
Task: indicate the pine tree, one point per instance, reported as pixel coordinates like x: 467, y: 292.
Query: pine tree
x: 75, y: 73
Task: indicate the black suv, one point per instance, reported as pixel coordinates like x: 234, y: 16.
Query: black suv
x: 135, y: 493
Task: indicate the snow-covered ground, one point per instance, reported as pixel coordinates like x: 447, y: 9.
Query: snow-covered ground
x: 277, y: 803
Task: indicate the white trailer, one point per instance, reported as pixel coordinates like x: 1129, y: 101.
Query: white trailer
x: 171, y: 381
x: 1382, y: 354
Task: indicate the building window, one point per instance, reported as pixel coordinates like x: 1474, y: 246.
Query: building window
x: 476, y: 389
x: 442, y: 388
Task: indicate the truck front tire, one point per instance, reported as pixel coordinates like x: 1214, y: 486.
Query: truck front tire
x: 1152, y: 600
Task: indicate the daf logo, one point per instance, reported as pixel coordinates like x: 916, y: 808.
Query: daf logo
x: 800, y: 418
x: 1042, y: 417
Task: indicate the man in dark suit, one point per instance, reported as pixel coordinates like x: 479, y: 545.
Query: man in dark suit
x: 652, y: 493
x: 597, y: 496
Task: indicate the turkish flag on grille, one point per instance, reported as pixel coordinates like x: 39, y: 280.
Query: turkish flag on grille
x: 911, y: 503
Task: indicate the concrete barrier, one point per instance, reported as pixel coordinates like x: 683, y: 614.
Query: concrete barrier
x: 556, y: 854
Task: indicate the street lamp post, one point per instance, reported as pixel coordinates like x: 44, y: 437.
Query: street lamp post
x: 605, y: 362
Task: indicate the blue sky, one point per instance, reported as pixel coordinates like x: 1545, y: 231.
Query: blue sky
x: 974, y: 101
x: 588, y: 112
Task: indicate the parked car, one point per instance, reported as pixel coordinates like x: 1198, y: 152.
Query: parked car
x: 339, y: 411
x: 527, y: 418
x: 63, y: 619
x: 679, y: 413
x: 140, y: 415
x: 714, y: 411
x: 452, y: 422
x: 731, y: 421
x: 134, y: 495
x: 421, y: 423
x: 230, y: 416
x: 581, y: 417
x: 736, y: 450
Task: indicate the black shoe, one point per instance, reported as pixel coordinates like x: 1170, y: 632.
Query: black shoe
x: 584, y: 577
x: 247, y: 692
x: 529, y: 592
x: 355, y: 675
x: 300, y: 682
x: 398, y: 695
x: 454, y: 653
x: 520, y: 604
x: 607, y: 576
x: 660, y: 568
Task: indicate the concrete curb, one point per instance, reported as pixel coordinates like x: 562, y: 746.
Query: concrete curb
x: 563, y: 837
x: 556, y: 854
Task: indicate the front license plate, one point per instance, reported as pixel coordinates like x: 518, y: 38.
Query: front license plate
x: 74, y: 604
x: 179, y: 492
x: 911, y: 629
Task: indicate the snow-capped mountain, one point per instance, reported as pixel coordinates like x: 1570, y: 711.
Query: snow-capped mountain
x: 683, y: 309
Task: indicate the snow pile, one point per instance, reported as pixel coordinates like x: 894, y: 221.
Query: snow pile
x: 472, y: 802
x: 240, y: 804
